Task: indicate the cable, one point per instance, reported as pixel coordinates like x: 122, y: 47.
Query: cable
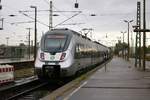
x: 66, y: 16
x: 33, y: 11
x: 67, y: 19
x: 72, y: 23
x: 22, y: 22
x: 33, y: 19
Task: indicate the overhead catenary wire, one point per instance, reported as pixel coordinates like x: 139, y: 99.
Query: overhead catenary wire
x: 53, y: 11
x: 72, y: 23
x: 22, y: 22
x: 8, y: 21
x: 12, y: 24
x: 33, y: 19
x: 67, y: 19
x: 24, y: 14
x: 67, y: 16
x: 6, y: 16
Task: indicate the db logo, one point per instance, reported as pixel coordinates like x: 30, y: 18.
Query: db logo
x: 52, y: 57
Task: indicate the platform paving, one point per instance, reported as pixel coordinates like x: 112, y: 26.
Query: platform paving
x: 14, y: 60
x: 119, y: 81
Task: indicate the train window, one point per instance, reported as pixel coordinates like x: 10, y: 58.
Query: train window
x: 55, y: 43
x: 77, y: 48
x: 77, y: 52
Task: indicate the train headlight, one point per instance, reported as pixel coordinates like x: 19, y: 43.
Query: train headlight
x: 42, y: 56
x: 62, y: 56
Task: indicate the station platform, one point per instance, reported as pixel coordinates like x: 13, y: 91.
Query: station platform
x: 15, y: 60
x: 119, y: 81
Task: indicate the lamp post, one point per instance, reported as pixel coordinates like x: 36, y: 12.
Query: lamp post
x: 123, y: 43
x: 128, y: 22
x: 51, y: 16
x: 29, y: 42
x: 7, y: 38
x: 35, y: 31
x: 123, y: 36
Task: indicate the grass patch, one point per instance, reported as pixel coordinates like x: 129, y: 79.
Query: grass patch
x: 23, y: 73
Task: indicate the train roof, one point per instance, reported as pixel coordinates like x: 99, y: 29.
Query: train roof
x: 71, y: 32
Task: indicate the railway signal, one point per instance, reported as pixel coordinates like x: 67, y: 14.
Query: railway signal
x: 76, y: 5
x: 0, y: 5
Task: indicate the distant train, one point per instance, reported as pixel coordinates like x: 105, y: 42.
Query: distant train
x: 64, y: 52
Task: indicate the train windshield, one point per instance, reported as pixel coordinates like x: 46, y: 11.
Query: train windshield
x: 55, y: 43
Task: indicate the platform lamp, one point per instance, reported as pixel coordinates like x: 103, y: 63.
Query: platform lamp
x: 35, y: 31
x: 123, y: 42
x: 128, y: 22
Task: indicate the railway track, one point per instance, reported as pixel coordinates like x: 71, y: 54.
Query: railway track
x: 31, y: 89
x: 17, y: 88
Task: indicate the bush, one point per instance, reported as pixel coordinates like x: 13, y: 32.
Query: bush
x: 148, y: 58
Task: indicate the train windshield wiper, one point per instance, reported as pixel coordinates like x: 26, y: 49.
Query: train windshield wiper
x: 60, y: 46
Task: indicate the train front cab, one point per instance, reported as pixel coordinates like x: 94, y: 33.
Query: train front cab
x: 61, y: 64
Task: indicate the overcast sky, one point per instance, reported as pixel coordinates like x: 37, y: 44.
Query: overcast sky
x: 108, y: 20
